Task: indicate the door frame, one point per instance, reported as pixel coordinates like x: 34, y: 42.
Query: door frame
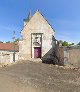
x: 32, y: 46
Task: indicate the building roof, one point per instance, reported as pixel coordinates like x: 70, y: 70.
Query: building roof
x: 9, y: 46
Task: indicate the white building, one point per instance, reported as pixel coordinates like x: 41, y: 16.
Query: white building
x: 8, y: 53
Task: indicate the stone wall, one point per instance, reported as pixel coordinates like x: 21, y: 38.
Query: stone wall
x: 72, y: 56
x: 59, y: 54
x: 7, y: 56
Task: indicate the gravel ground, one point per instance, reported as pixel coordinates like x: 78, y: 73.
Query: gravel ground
x: 30, y: 76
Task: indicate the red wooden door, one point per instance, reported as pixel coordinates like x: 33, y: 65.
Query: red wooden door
x: 37, y: 52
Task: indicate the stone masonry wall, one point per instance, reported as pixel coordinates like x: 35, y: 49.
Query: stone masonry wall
x: 7, y: 57
x: 37, y: 24
x: 72, y: 56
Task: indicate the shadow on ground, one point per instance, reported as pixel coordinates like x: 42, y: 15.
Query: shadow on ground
x: 51, y: 57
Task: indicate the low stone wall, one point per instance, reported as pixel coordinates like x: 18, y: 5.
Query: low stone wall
x: 72, y: 56
x: 7, y: 56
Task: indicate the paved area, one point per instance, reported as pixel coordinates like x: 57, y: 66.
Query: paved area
x: 29, y: 76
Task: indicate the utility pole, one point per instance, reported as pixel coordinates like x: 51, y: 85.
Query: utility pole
x: 14, y: 45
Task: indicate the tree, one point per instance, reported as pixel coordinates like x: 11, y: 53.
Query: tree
x: 17, y: 40
x: 65, y: 43
x: 8, y: 42
x: 71, y: 44
x: 60, y: 41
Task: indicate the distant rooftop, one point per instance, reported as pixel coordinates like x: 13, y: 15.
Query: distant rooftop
x: 9, y: 46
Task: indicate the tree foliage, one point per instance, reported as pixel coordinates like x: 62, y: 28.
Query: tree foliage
x: 17, y: 40
x: 65, y: 43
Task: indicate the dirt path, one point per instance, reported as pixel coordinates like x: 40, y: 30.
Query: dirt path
x: 10, y: 84
x: 38, y: 77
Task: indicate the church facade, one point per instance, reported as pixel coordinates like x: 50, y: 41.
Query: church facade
x: 37, y: 38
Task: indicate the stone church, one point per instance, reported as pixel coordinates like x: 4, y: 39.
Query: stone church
x: 37, y: 38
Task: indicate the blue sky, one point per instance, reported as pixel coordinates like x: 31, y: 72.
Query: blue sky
x: 63, y: 15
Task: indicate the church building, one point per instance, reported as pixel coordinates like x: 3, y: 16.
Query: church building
x: 37, y: 38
